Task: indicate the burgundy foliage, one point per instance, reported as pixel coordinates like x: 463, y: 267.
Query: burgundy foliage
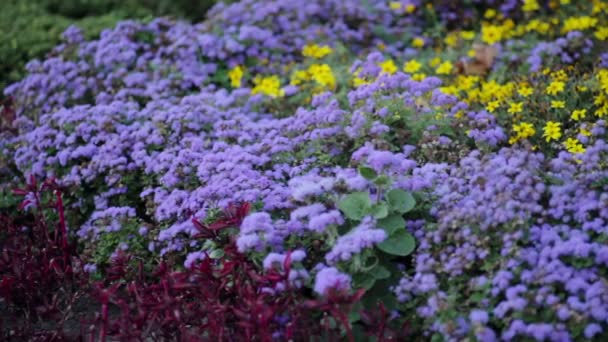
x: 41, y: 277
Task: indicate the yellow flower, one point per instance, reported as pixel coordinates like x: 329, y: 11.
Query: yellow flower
x: 555, y: 87
x: 515, y: 107
x: 467, y: 35
x: 419, y: 76
x: 434, y: 62
x: 578, y: 114
x: 268, y: 85
x: 524, y: 130
x: 600, y: 112
x: 552, y: 131
x: 574, y: 146
x: 316, y: 51
x: 444, y: 68
x: 418, y: 42
x: 323, y: 75
x: 530, y: 5
x: 395, y: 5
x: 451, y: 40
x: 410, y: 8
x: 236, y: 74
x: 525, y: 91
x: 412, y: 66
x: 490, y: 13
x: 299, y: 77
x: 558, y: 104
x: 585, y: 132
x: 492, y: 106
x: 388, y: 67
x: 564, y: 2
x: 601, y: 33
x: 491, y: 34
x: 578, y: 23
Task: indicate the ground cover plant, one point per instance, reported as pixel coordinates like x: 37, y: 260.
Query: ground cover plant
x: 328, y: 170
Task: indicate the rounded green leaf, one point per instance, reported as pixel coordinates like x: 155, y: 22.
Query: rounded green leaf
x: 399, y: 243
x: 391, y: 223
x: 367, y: 172
x: 400, y: 201
x: 355, y: 205
x: 379, y: 210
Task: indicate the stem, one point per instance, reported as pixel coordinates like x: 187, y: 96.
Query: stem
x: 104, y: 318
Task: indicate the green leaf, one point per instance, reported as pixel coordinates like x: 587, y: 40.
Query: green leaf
x: 400, y: 201
x: 391, y: 223
x: 355, y: 205
x: 363, y: 280
x: 399, y: 243
x: 380, y: 272
x: 382, y: 180
x: 379, y: 210
x: 367, y: 172
x: 216, y: 254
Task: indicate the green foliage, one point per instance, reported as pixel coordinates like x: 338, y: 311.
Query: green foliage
x: 29, y: 29
x: 400, y: 201
x: 399, y: 243
x: 356, y: 205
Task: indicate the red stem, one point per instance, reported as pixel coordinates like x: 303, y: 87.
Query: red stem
x: 104, y: 318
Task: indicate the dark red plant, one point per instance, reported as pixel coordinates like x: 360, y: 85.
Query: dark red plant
x: 38, y: 278
x: 230, y: 217
x: 7, y: 114
x: 227, y: 299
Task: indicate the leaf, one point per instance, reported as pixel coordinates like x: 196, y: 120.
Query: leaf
x: 391, y: 223
x: 363, y: 280
x: 355, y: 205
x: 400, y: 201
x: 367, y: 173
x: 379, y: 210
x: 481, y: 63
x: 382, y: 180
x: 399, y: 243
x: 380, y: 272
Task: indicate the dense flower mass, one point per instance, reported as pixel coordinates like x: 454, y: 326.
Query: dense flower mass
x: 443, y: 163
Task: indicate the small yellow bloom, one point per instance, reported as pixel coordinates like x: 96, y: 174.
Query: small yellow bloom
x: 316, y: 51
x: 490, y: 13
x: 434, y: 62
x: 388, y: 67
x: 515, y: 107
x: 491, y: 34
x: 601, y: 33
x: 574, y: 146
x: 585, y: 132
x: 268, y: 85
x: 444, y: 68
x: 524, y: 130
x: 555, y: 87
x: 236, y: 74
x: 410, y: 8
x: 552, y: 131
x: 578, y: 114
x: 451, y: 40
x: 412, y: 66
x: 322, y: 75
x: 467, y: 35
x: 530, y: 5
x: 492, y: 106
x: 525, y: 91
x: 419, y: 77
x: 558, y: 104
x: 395, y: 5
x: 418, y: 42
